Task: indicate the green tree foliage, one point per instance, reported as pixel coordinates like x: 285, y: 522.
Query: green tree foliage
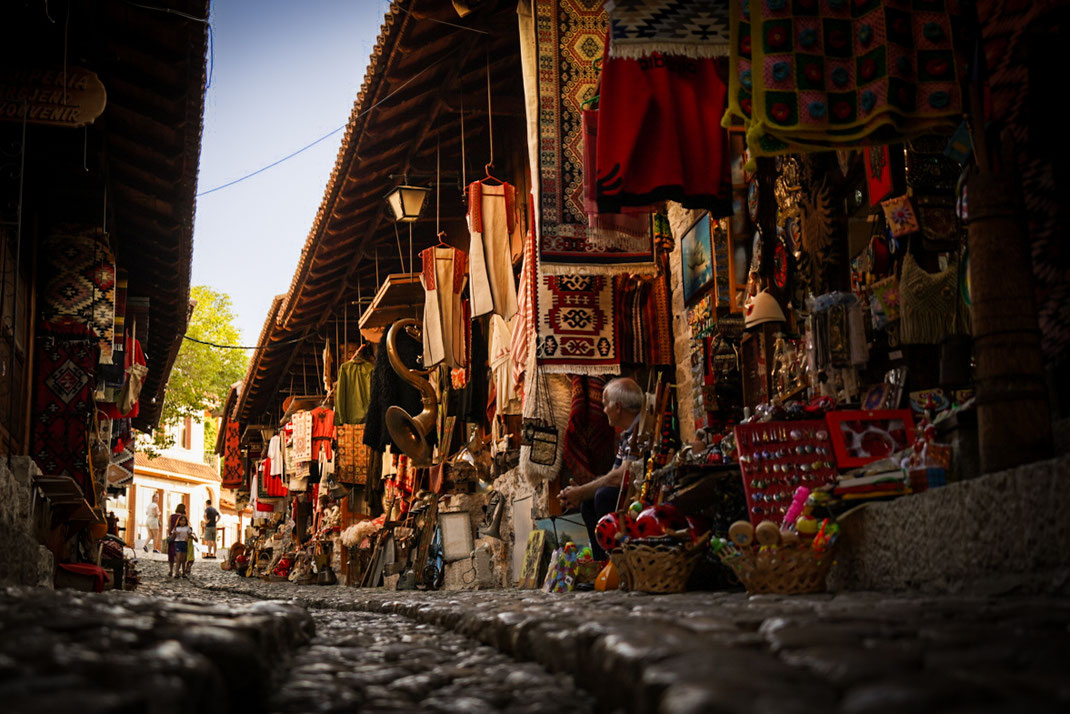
x: 202, y: 374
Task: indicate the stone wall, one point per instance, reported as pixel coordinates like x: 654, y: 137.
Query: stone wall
x: 1000, y: 533
x: 473, y: 573
x: 23, y: 561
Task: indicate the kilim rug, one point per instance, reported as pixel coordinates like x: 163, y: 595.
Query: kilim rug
x: 233, y: 469
x: 589, y: 439
x: 577, y: 324
x: 692, y: 28
x: 63, y: 406
x: 569, y: 39
x: 80, y: 286
x: 813, y: 75
x: 353, y: 458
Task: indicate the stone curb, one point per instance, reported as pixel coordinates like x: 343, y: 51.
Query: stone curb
x: 856, y: 653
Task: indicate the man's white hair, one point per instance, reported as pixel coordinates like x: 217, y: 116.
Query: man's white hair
x: 625, y: 392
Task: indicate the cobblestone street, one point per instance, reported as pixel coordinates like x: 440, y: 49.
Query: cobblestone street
x: 213, y: 644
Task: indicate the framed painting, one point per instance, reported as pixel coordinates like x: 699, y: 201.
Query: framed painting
x: 696, y: 258
x: 535, y: 560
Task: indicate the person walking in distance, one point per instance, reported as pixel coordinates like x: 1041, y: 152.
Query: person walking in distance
x: 211, y: 517
x: 152, y: 524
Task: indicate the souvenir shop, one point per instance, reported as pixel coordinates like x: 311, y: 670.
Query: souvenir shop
x: 755, y: 211
x: 95, y: 244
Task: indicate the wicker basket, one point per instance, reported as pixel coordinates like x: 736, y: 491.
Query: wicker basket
x: 783, y: 571
x: 617, y: 558
x: 659, y: 567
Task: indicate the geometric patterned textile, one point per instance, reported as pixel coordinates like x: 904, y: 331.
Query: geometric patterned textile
x: 692, y: 28
x: 63, y: 406
x: 644, y: 329
x: 577, y: 325
x: 302, y: 443
x: 812, y: 75
x: 589, y: 437
x: 569, y: 39
x: 353, y: 458
x: 80, y: 287
x: 233, y: 469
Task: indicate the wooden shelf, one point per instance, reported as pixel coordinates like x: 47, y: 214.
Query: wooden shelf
x: 401, y: 295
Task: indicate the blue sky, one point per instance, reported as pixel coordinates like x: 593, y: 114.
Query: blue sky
x: 285, y: 73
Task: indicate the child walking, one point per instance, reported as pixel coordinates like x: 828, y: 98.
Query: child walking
x: 183, y: 535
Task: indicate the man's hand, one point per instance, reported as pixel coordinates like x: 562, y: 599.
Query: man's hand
x: 572, y: 495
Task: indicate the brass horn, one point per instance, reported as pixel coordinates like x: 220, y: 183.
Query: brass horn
x: 409, y: 432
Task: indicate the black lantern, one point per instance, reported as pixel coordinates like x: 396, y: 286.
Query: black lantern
x: 407, y: 201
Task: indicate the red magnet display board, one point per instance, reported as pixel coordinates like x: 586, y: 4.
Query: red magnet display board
x: 777, y: 457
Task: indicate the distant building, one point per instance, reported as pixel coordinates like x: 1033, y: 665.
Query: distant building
x: 178, y: 474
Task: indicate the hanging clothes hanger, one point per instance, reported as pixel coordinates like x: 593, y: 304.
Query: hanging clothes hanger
x: 489, y: 176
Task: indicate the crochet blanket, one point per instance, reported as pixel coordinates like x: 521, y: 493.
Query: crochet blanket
x: 813, y: 75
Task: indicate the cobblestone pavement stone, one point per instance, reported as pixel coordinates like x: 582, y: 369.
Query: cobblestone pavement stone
x: 856, y: 653
x: 376, y: 650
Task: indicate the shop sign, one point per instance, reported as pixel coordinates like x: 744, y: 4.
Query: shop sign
x: 40, y: 93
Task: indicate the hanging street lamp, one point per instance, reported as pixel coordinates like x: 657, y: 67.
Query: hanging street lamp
x: 407, y: 201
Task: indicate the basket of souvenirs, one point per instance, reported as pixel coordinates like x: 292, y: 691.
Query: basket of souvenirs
x: 660, y: 565
x: 769, y: 560
x: 654, y: 549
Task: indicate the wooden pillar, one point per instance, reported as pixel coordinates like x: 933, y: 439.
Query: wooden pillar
x: 1013, y: 413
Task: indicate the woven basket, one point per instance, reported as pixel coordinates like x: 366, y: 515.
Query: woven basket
x: 784, y: 571
x: 617, y: 558
x: 659, y: 567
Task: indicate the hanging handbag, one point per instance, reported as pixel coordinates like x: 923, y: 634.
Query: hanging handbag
x: 538, y: 434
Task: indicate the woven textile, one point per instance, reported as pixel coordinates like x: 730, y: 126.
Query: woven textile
x: 811, y: 75
x: 693, y: 28
x: 233, y: 470
x: 643, y: 320
x: 80, y: 288
x: 577, y: 324
x: 302, y: 438
x: 589, y: 438
x: 63, y: 405
x: 119, y: 329
x: 569, y: 37
x: 353, y: 458
x: 524, y: 320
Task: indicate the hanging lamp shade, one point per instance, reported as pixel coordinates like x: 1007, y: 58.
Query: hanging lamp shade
x: 407, y: 201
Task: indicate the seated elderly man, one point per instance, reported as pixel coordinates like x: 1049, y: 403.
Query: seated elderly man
x: 622, y: 401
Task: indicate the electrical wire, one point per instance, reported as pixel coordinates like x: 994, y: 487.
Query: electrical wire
x: 273, y: 164
x: 407, y: 82
x: 239, y: 347
x: 443, y: 22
